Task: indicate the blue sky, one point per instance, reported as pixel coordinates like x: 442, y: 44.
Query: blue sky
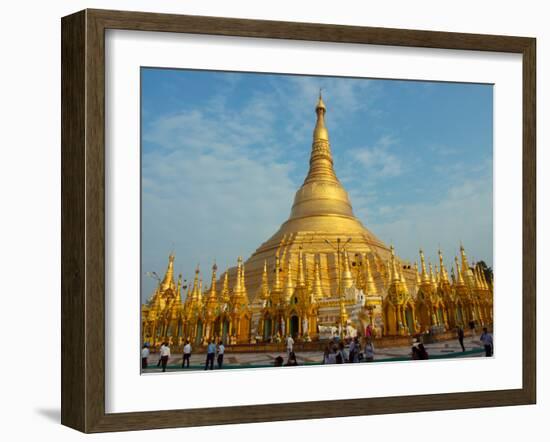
x: 224, y: 153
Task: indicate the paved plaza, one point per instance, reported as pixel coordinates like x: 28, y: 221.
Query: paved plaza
x: 438, y: 350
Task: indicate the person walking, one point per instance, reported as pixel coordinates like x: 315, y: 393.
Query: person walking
x: 460, y: 336
x: 289, y: 344
x: 221, y: 351
x: 164, y: 355
x: 186, y: 354
x: 210, y: 353
x: 487, y: 340
x: 369, y: 350
x: 160, y: 354
x: 144, y: 356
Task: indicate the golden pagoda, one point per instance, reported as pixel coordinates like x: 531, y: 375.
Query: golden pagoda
x: 323, y: 273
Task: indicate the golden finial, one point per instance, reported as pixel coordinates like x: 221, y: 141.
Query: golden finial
x: 459, y: 279
x: 444, y: 277
x: 432, y: 277
x: 300, y: 277
x: 416, y: 273
x: 320, y: 132
x: 264, y: 288
x: 213, y: 295
x: 289, y: 285
x: 168, y: 280
x: 370, y: 286
x: 225, y: 288
x: 317, y: 284
x: 277, y: 287
x: 347, y: 277
x: 424, y: 274
x: 395, y: 274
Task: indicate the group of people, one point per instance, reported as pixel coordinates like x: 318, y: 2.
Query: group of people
x: 164, y: 355
x: 486, y: 339
x: 336, y: 352
x: 358, y: 350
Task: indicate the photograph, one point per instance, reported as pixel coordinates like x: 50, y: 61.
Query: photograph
x: 295, y: 220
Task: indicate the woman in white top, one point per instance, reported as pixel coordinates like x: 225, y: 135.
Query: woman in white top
x: 164, y: 355
x: 144, y: 356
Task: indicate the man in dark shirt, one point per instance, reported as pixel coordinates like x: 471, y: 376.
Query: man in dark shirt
x: 460, y: 336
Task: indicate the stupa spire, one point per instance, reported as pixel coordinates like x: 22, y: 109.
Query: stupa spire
x: 317, y: 285
x: 395, y: 274
x: 212, y: 296
x: 289, y: 284
x: 369, y: 284
x: 301, y: 282
x: 264, y: 288
x: 459, y: 279
x: 168, y: 281
x: 424, y: 275
x: 224, y: 297
x: 416, y: 273
x: 277, y: 285
x: 442, y: 270
x: 321, y: 163
x: 347, y: 277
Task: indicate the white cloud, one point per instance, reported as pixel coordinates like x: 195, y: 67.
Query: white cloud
x: 460, y: 215
x: 378, y: 161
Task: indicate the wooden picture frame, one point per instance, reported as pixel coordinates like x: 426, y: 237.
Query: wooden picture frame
x: 83, y: 219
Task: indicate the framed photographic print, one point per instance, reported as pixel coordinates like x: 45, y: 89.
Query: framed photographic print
x: 275, y: 220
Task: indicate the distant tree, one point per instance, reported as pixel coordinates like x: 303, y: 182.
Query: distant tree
x: 487, y: 271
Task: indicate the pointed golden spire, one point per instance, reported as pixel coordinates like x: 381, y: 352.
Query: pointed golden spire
x: 212, y: 296
x: 196, y: 290
x: 395, y: 274
x: 321, y: 162
x: 178, y: 291
x: 237, y: 287
x: 464, y: 258
x: 388, y: 272
x: 442, y: 270
x: 320, y: 132
x: 402, y: 279
x: 224, y: 297
x: 301, y: 282
x: 480, y: 278
x: 370, y: 286
x: 424, y: 278
x: 243, y: 282
x: 317, y: 288
x: 189, y: 294
x: 484, y: 279
x: 347, y: 277
x: 168, y: 281
x: 277, y: 285
x: 289, y: 284
x: 416, y: 273
x: 433, y: 282
x: 264, y: 287
x: 459, y: 279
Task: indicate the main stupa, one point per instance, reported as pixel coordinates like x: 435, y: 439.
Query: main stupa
x: 321, y: 212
